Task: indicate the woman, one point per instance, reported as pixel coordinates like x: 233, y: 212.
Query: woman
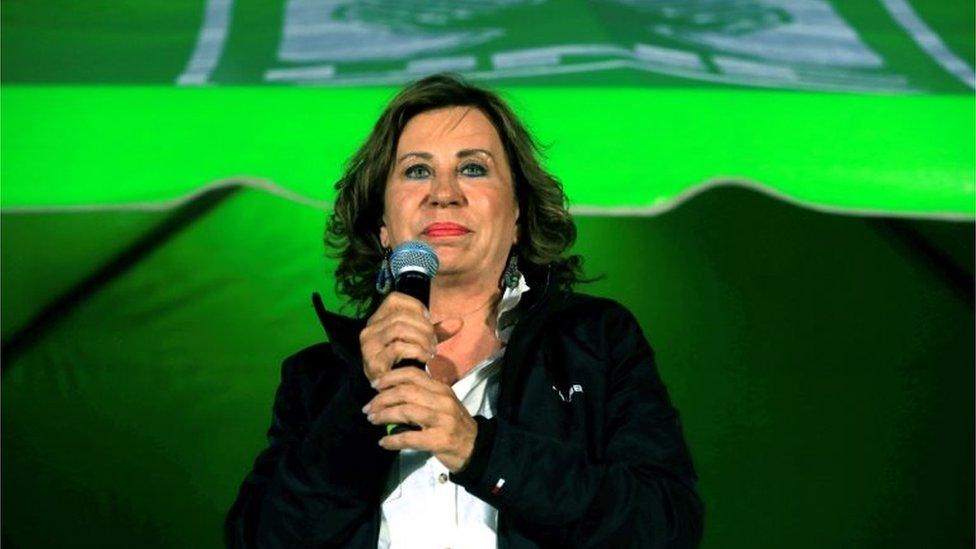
x: 542, y: 419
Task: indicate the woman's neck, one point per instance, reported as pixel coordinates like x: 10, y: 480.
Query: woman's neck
x: 468, y: 313
x: 475, y: 299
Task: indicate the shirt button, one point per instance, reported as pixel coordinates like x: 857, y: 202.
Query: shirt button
x: 442, y: 478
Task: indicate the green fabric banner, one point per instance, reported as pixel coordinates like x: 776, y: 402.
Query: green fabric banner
x: 856, y: 107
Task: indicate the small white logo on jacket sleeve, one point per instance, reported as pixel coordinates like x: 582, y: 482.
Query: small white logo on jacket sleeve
x: 572, y: 391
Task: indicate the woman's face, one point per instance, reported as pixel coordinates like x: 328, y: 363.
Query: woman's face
x: 451, y: 187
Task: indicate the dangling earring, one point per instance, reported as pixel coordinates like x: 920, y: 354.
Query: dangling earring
x: 384, y: 278
x: 512, y: 275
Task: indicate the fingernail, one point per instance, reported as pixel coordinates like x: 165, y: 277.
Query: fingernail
x: 374, y: 383
x: 370, y: 418
x: 426, y: 314
x: 365, y: 408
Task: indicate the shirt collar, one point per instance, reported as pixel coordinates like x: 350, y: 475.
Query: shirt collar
x: 507, y: 312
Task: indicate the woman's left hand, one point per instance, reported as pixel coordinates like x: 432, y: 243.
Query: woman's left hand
x: 409, y: 395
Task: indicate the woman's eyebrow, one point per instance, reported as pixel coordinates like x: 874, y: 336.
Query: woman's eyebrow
x: 471, y: 152
x: 421, y: 154
x: 463, y: 153
x: 424, y: 155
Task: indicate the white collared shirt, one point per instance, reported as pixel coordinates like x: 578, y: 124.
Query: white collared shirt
x: 423, y: 508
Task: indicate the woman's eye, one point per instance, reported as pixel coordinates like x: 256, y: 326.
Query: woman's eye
x: 473, y: 170
x: 417, y: 171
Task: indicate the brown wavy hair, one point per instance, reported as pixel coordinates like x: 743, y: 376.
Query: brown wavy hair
x: 546, y: 229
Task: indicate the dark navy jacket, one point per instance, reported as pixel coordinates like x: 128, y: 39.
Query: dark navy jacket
x: 604, y: 466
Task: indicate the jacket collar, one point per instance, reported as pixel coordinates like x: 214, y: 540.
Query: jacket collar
x: 532, y: 320
x: 342, y: 331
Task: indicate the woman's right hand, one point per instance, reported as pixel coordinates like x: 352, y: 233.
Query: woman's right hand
x: 400, y: 328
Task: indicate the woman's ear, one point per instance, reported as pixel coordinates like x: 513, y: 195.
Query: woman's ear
x: 384, y: 237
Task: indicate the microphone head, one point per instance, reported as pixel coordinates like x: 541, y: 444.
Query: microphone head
x: 414, y: 255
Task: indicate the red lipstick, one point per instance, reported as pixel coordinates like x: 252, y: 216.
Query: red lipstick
x: 445, y: 229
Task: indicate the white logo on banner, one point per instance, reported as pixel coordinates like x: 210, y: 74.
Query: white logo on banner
x: 797, y: 44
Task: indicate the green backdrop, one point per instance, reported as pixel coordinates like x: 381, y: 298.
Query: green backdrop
x: 782, y: 191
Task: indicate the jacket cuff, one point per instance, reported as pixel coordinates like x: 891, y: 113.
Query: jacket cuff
x: 478, y: 462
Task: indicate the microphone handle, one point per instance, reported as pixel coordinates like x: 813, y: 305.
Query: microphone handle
x: 417, y: 285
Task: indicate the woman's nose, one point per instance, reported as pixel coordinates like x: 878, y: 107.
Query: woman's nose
x: 445, y: 191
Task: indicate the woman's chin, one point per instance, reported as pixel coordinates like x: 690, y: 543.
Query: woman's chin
x: 449, y: 269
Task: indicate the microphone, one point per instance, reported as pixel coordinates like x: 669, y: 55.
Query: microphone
x: 414, y: 264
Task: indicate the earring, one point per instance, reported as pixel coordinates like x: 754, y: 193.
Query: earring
x: 512, y: 275
x: 384, y: 277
